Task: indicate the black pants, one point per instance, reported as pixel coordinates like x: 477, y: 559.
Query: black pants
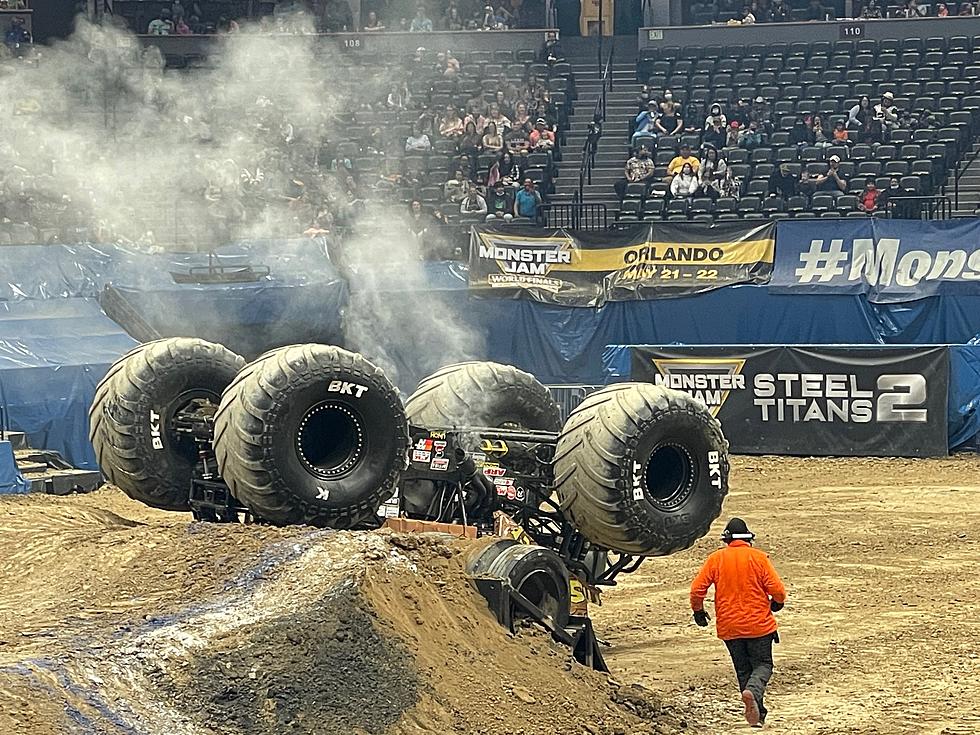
x: 752, y: 658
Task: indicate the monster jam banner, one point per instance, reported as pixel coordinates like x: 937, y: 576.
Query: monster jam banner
x: 861, y: 401
x: 588, y: 269
x: 887, y: 259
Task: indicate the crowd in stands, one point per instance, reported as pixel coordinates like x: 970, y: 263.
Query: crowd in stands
x: 783, y: 11
x: 193, y: 17
x: 802, y: 142
x: 443, y: 137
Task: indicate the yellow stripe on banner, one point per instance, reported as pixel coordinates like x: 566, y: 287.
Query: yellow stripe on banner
x: 745, y: 252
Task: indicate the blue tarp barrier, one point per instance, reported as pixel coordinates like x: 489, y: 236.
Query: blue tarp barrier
x: 53, y: 353
x: 11, y: 481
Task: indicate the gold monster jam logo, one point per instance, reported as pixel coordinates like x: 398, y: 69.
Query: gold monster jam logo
x: 708, y: 379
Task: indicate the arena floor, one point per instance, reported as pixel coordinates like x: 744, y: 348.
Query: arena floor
x: 880, y: 632
x: 879, y: 635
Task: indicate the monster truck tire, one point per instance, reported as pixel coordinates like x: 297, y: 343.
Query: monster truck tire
x: 641, y: 469
x: 536, y: 572
x: 484, y: 394
x: 131, y: 418
x: 311, y: 434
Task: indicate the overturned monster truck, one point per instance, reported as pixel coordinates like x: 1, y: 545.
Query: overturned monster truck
x: 318, y: 435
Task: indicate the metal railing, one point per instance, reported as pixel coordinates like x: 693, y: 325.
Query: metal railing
x: 595, y: 128
x: 961, y: 168
x: 569, y: 396
x: 576, y: 215
x: 919, y: 207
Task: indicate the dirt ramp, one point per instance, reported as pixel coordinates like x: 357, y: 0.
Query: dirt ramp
x: 143, y: 624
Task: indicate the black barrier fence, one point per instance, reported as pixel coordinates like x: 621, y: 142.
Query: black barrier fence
x: 814, y: 399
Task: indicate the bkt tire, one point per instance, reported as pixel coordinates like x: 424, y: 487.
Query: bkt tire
x: 131, y: 421
x: 483, y: 394
x: 641, y: 469
x: 311, y: 434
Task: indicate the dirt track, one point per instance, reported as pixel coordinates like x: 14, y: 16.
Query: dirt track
x: 112, y: 614
x: 881, y: 633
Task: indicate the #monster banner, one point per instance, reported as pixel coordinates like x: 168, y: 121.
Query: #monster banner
x: 589, y: 269
x: 814, y: 400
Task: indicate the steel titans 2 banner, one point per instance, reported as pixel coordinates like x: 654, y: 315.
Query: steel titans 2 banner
x: 813, y: 400
x: 589, y: 269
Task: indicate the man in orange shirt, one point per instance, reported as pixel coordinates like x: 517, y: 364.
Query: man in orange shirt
x: 747, y: 593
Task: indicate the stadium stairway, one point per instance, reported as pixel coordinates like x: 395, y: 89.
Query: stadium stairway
x: 969, y: 197
x: 620, y: 108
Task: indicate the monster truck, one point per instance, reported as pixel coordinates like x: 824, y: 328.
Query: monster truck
x: 314, y: 434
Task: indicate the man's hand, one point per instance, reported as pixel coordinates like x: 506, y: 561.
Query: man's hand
x: 775, y: 606
x: 701, y: 618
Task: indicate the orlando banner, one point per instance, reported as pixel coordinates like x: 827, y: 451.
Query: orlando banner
x: 589, y: 269
x: 886, y: 259
x: 813, y: 400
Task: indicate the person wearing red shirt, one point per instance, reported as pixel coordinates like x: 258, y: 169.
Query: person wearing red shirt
x: 542, y: 139
x: 869, y: 197
x: 747, y: 593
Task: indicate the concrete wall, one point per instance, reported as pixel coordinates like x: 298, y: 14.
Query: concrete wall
x: 808, y: 32
x: 374, y: 44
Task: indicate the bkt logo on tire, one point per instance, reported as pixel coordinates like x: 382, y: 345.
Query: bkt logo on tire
x: 346, y: 389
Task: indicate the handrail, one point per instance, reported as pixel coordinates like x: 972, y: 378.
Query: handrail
x: 961, y: 167
x: 595, y: 129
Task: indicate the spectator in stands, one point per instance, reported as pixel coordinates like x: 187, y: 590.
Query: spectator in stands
x: 502, y: 102
x: 841, y: 136
x: 418, y: 141
x: 715, y: 113
x: 713, y: 174
x: 421, y: 22
x: 457, y: 187
x: 800, y: 135
x: 886, y: 195
x: 967, y: 9
x: 911, y: 9
x: 541, y: 138
x: 831, y: 182
x: 493, y: 142
x: 451, y: 65
x: 373, y: 24
x: 451, y: 125
x: 747, y: 17
x: 506, y: 170
x: 527, y: 203
x: 500, y: 204
x: 871, y: 132
x: 685, y: 184
x: 742, y: 114
x: 942, y: 11
x: 872, y: 11
x: 521, y: 119
x: 419, y: 221
x: 778, y: 12
x: 670, y: 106
x: 453, y: 21
x: 783, y: 181
x: 731, y: 140
x: 551, y: 51
x: 181, y: 28
x: 716, y: 136
x: 751, y: 137
x: 868, y: 201
x: 517, y: 142
x: 474, y: 203
x: 762, y: 114
x: 498, y: 118
x: 639, y: 170
x: 821, y: 137
x: 645, y: 124
x: 162, y: 25
x: 816, y: 11
x: 678, y: 161
x: 669, y: 124
x: 860, y: 112
x: 398, y: 97
x: 470, y: 144
x: 886, y: 112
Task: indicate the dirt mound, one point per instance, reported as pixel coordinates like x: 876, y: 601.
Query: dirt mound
x: 115, y: 619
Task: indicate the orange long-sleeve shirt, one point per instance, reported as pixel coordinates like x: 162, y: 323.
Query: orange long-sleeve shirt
x: 744, y: 580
